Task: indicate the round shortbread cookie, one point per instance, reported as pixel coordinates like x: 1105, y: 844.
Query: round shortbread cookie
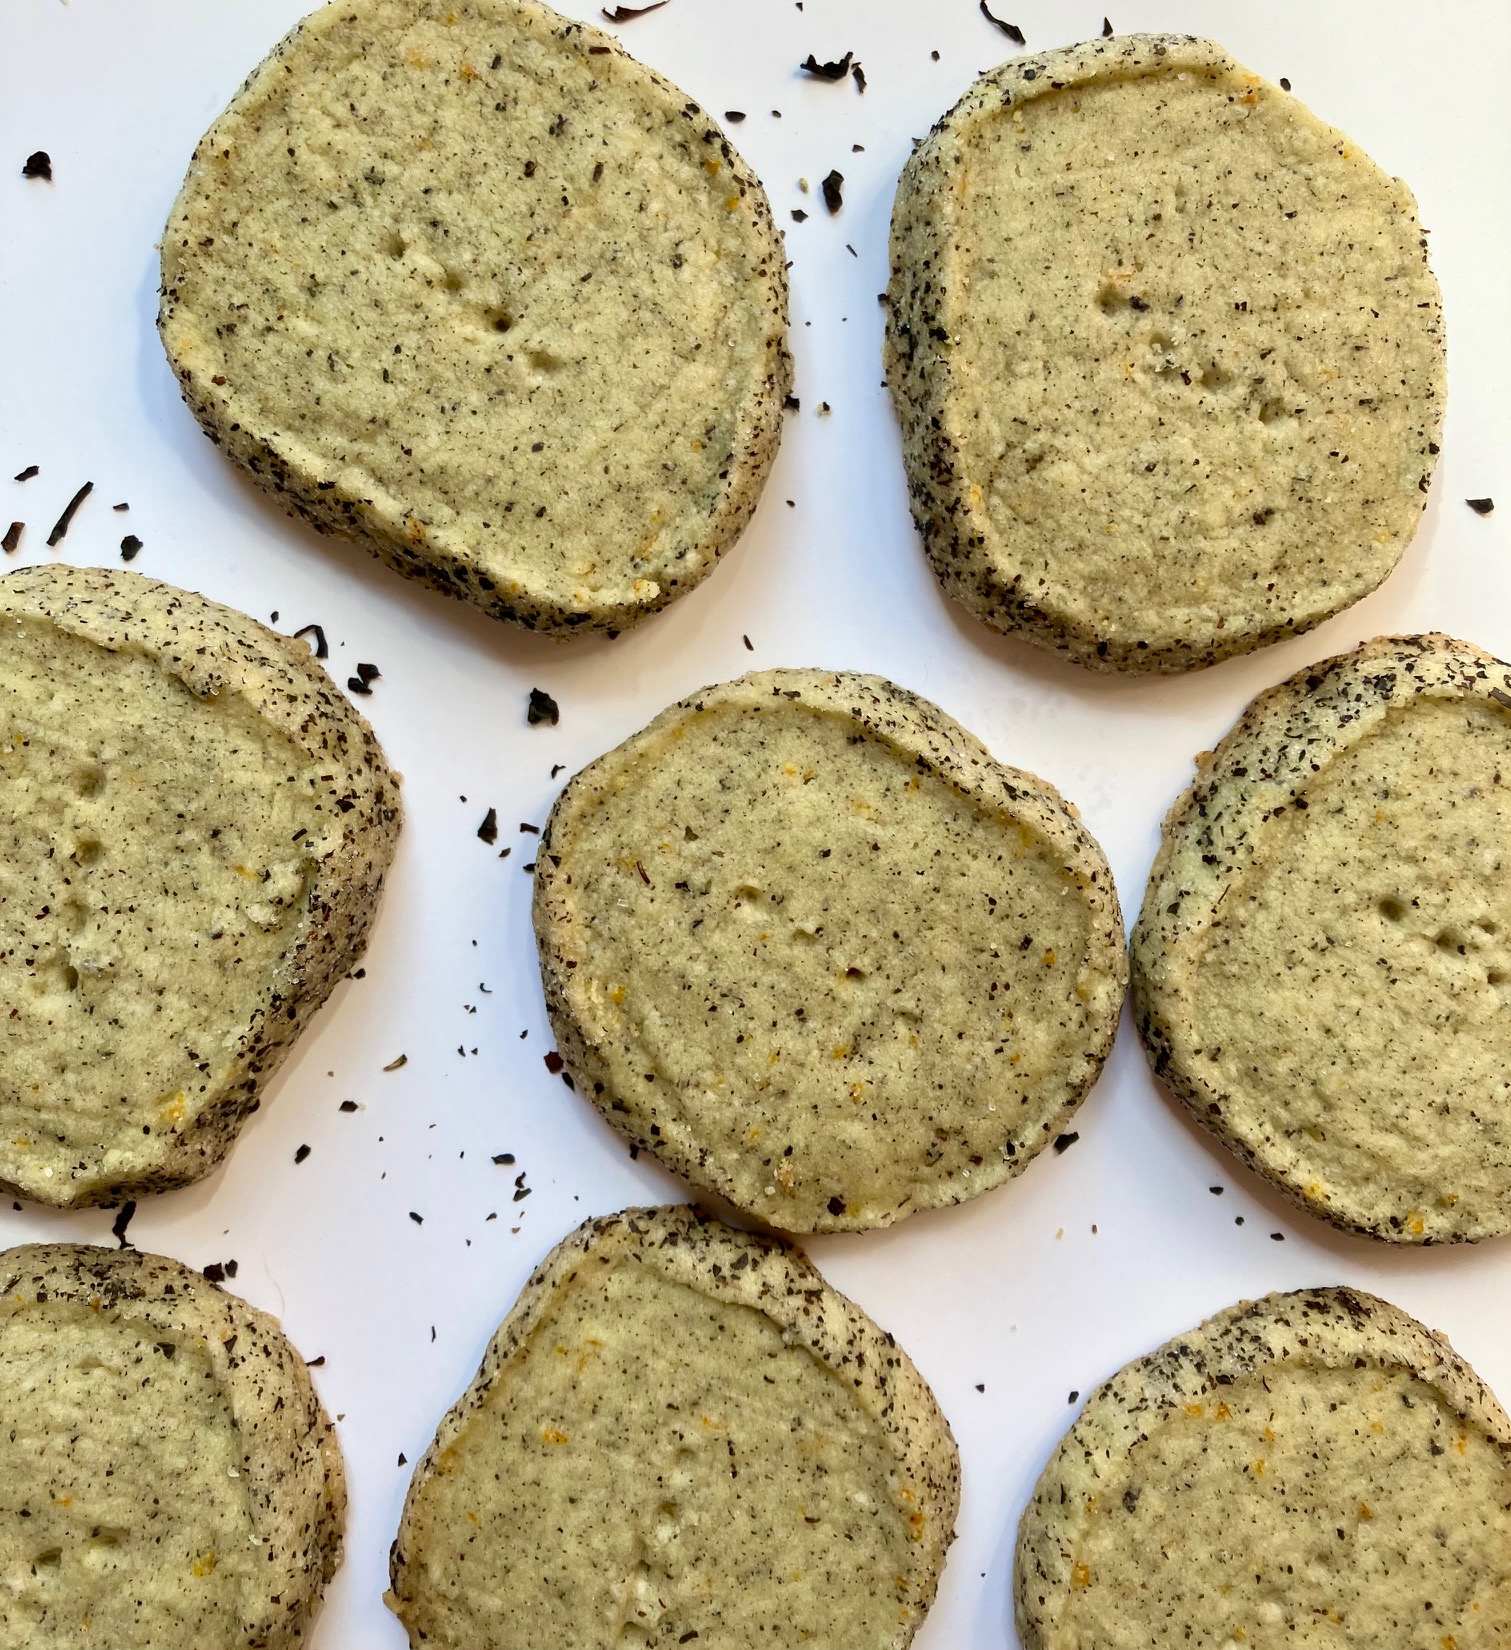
x: 1312, y: 1468
x: 469, y: 284
x: 167, y: 1474
x: 1167, y: 354
x: 807, y: 942
x: 1322, y: 965
x: 195, y: 826
x: 680, y: 1433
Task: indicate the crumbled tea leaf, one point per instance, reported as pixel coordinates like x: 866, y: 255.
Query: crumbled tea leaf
x: 121, y: 1222
x: 12, y: 540
x: 30, y: 471
x: 38, y: 165
x: 60, y: 527
x: 129, y: 547
x: 543, y: 708
x: 827, y: 71
x: 832, y: 187
x: 322, y: 649
x: 1011, y: 30
x: 488, y: 830
x: 1480, y: 506
x: 393, y: 1065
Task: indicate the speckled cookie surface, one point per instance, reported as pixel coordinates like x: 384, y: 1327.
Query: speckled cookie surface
x: 469, y: 284
x: 808, y: 942
x: 196, y: 826
x: 1167, y: 354
x: 680, y: 1434
x: 167, y: 1474
x: 1313, y: 1468
x: 1321, y: 966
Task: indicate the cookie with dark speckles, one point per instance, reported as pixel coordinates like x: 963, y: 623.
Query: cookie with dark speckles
x: 195, y: 826
x: 1322, y: 965
x: 804, y: 939
x: 1313, y: 1468
x: 167, y: 1474
x: 468, y: 284
x: 1167, y: 353
x: 680, y: 1434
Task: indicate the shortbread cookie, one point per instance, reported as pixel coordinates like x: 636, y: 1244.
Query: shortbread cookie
x: 806, y: 941
x: 196, y: 825
x: 469, y: 284
x: 1167, y: 353
x: 1314, y: 1468
x: 680, y: 1434
x: 167, y: 1474
x: 1322, y: 966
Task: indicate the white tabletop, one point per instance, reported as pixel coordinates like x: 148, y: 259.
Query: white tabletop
x: 1008, y: 1304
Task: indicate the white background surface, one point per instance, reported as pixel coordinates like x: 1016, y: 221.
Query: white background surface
x: 1041, y: 1287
